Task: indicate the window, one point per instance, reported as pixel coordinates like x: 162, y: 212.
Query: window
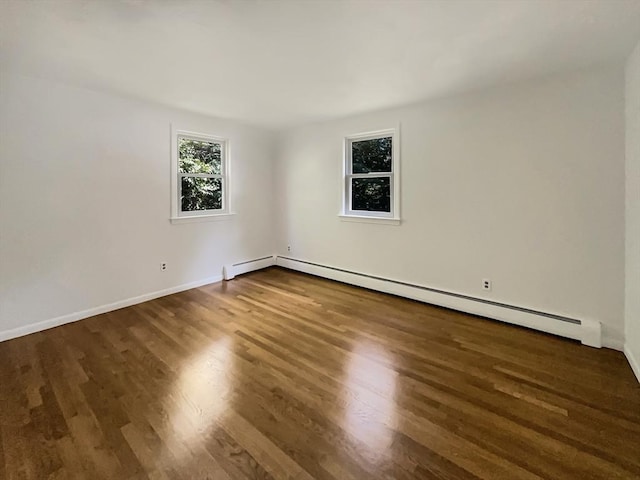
x: 200, y: 176
x: 371, y: 176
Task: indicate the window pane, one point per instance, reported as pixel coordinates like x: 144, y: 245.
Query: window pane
x: 195, y: 156
x: 201, y: 194
x: 371, y: 194
x: 371, y: 155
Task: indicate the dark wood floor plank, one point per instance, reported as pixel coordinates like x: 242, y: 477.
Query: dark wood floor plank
x: 280, y: 375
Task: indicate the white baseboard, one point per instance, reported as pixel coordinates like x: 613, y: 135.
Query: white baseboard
x: 230, y: 271
x: 74, y: 317
x: 589, y: 332
x: 633, y: 361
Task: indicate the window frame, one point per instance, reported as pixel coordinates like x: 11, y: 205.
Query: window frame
x: 391, y: 217
x: 177, y: 214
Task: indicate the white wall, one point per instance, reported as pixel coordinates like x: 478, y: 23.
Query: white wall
x: 632, y: 212
x: 85, y: 201
x: 521, y: 184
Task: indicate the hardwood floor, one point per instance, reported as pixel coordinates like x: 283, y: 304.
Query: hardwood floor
x: 281, y: 375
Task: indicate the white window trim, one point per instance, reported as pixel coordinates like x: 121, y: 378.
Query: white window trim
x: 390, y: 218
x: 367, y: 219
x: 177, y: 216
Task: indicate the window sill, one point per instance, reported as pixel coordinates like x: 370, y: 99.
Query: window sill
x: 216, y: 217
x: 365, y: 219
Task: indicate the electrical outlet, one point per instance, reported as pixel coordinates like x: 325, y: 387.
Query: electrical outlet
x: 486, y: 284
x: 163, y: 266
x: 289, y: 248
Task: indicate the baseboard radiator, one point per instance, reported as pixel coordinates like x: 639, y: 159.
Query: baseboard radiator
x: 589, y: 332
x: 230, y: 271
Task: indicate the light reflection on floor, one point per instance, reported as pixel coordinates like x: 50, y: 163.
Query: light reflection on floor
x: 370, y: 413
x: 202, y: 391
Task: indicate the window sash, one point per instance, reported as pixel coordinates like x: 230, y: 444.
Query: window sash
x: 206, y: 140
x: 187, y: 213
x: 369, y: 213
x: 201, y: 175
x: 370, y: 175
x: 370, y: 137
